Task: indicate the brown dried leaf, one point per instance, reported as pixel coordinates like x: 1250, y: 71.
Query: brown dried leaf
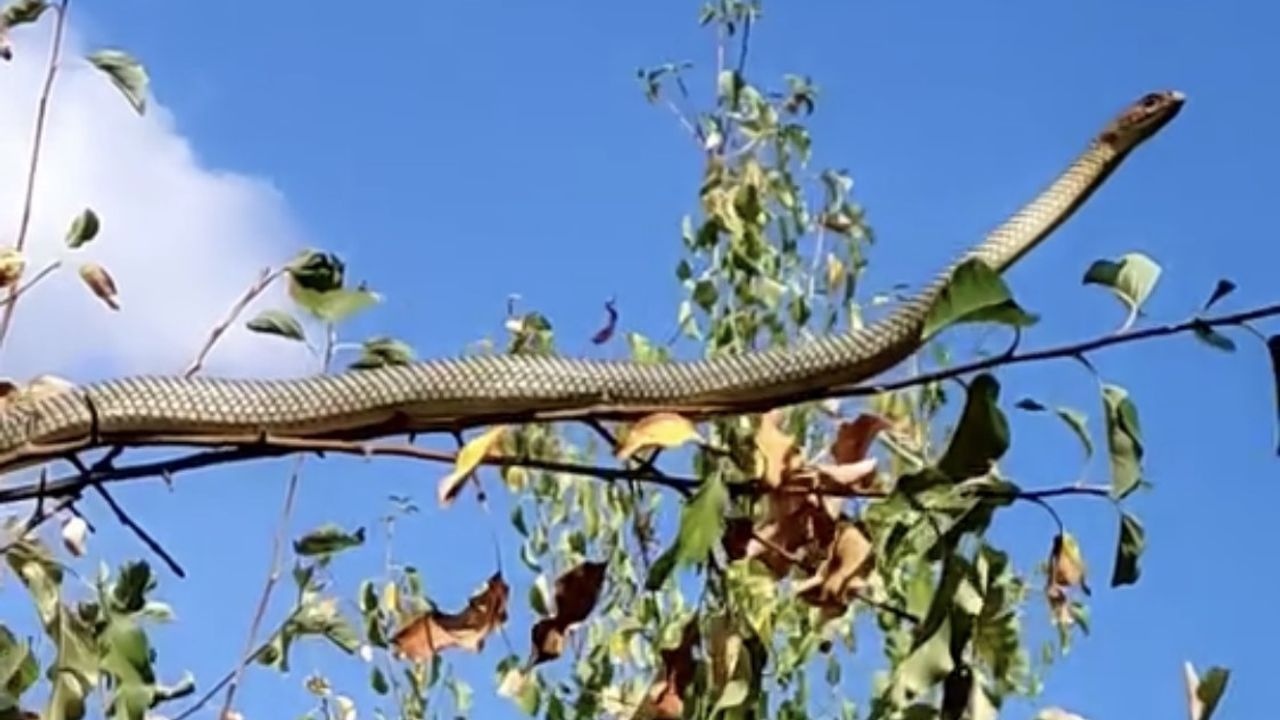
x: 853, y: 439
x: 796, y: 528
x: 577, y: 592
x: 100, y: 282
x: 435, y: 631
x: 778, y: 449
x: 665, y: 700
x: 548, y: 640
x: 661, y: 429
x: 848, y: 564
x: 472, y: 454
x: 1066, y: 563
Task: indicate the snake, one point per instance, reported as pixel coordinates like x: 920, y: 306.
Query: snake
x: 450, y: 393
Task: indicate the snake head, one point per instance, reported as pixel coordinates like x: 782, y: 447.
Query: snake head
x: 1142, y: 119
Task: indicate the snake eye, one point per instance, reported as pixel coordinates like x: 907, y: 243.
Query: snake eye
x: 1150, y: 100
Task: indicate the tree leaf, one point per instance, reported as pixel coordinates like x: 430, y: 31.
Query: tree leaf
x: 21, y: 12
x: 12, y: 265
x: 975, y: 293
x: 328, y: 539
x: 468, y: 460
x: 663, y: 429
x: 1222, y: 289
x: 100, y: 283
x: 1074, y: 419
x: 1203, y: 694
x: 277, y: 322
x: 1131, y: 279
x: 381, y: 352
x: 777, y: 449
x: 83, y: 229
x: 927, y: 665
x: 1207, y: 335
x: 435, y: 631
x: 1129, y: 550
x: 335, y: 306
x: 126, y: 73
x: 1124, y: 441
x: 702, y: 522
x: 611, y: 322
x: 982, y: 435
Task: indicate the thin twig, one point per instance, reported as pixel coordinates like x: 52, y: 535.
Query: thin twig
x: 42, y: 112
x: 265, y: 278
x: 18, y: 291
x: 138, y: 530
x: 1070, y: 350
x: 273, y: 577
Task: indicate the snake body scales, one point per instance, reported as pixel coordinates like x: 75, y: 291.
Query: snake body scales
x: 467, y: 391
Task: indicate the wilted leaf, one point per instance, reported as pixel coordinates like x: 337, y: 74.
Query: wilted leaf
x: 1066, y: 563
x: 1124, y: 441
x: 848, y: 563
x: 475, y: 451
x: 381, y: 352
x: 126, y: 73
x: 12, y: 263
x: 777, y: 449
x: 1131, y: 279
x: 665, y: 699
x: 982, y: 435
x: 701, y: 525
x: 603, y: 334
x: 277, y: 322
x: 1129, y: 549
x: 434, y: 631
x: 1203, y: 694
x: 547, y: 639
x: 853, y: 439
x: 577, y: 591
x: 328, y: 540
x: 100, y: 282
x: 1222, y: 289
x: 662, y: 429
x: 975, y: 293
x: 74, y: 531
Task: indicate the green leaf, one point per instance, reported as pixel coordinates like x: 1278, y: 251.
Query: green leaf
x: 129, y: 594
x: 705, y: 294
x: 1128, y: 551
x: 1131, y: 279
x: 982, y: 435
x: 975, y: 293
x: 277, y: 322
x: 20, y: 12
x: 1074, y: 419
x: 1222, y: 289
x: 383, y: 351
x: 316, y: 271
x: 378, y: 682
x: 927, y: 665
x: 126, y: 73
x: 1273, y: 349
x: 18, y: 667
x: 83, y: 229
x: 327, y: 540
x: 1124, y: 441
x: 335, y: 306
x: 1210, y: 689
x: 701, y: 526
x: 1211, y: 337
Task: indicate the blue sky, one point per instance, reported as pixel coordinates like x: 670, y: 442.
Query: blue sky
x: 449, y: 152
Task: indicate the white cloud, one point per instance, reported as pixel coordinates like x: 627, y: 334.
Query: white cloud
x: 182, y: 241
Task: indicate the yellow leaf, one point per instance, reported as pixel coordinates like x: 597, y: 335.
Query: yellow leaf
x: 776, y: 447
x: 12, y: 263
x: 472, y: 454
x: 835, y: 271
x: 100, y: 282
x: 662, y: 429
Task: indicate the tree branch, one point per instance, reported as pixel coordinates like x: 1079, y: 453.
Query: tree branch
x: 265, y: 278
x: 42, y: 113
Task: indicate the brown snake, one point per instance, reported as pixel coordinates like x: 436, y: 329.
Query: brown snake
x: 448, y: 394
